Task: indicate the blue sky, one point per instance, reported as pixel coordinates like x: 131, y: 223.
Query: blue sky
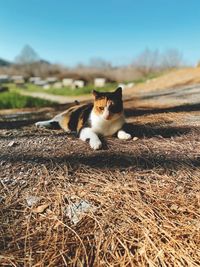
x: 71, y: 32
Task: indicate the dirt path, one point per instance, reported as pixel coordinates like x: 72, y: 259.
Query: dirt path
x: 171, y: 96
x: 57, y: 98
x: 189, y: 94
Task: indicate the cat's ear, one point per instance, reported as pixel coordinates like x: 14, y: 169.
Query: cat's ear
x: 118, y: 92
x: 95, y: 93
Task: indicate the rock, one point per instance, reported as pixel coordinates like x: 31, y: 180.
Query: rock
x: 32, y: 200
x: 75, y: 211
x: 174, y: 207
x: 135, y: 138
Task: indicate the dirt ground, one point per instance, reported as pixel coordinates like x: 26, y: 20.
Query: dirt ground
x: 142, y: 195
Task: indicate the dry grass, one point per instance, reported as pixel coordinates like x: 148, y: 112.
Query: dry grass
x: 174, y: 78
x: 145, y: 196
x: 143, y: 218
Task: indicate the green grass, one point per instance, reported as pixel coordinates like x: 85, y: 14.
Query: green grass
x: 80, y: 91
x: 28, y: 87
x: 15, y: 100
x: 65, y: 91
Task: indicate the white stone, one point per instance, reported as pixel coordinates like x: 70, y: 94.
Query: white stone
x: 32, y: 200
x: 76, y: 211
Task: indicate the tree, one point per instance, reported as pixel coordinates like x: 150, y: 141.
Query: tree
x: 172, y: 58
x: 27, y: 56
x: 147, y: 61
x: 100, y: 63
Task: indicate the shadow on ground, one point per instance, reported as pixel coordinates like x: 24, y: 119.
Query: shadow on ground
x: 147, y: 111
x: 104, y: 159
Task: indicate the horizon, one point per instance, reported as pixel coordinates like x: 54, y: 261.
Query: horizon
x: 116, y: 31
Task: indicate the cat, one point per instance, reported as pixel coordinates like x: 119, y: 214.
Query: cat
x: 104, y: 117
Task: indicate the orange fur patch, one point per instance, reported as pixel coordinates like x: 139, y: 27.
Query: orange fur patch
x: 101, y: 103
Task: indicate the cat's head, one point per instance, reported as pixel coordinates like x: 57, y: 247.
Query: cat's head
x: 108, y: 105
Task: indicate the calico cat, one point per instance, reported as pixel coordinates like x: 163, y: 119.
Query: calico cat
x: 104, y: 117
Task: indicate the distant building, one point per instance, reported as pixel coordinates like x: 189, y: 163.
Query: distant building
x: 4, y: 78
x: 68, y: 82
x: 78, y: 84
x: 34, y: 79
x: 41, y: 83
x: 51, y: 79
x: 16, y: 78
x: 99, y: 82
x: 20, y: 83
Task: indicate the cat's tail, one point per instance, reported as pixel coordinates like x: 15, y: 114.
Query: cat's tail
x: 52, y: 124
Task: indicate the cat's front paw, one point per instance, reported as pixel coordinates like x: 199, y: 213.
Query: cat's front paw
x: 123, y: 135
x: 95, y: 144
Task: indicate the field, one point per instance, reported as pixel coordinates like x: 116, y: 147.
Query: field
x: 15, y: 100
x: 141, y: 197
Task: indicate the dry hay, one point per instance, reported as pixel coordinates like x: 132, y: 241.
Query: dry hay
x: 145, y: 194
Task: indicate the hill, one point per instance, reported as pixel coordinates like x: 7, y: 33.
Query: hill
x: 174, y: 78
x: 4, y: 63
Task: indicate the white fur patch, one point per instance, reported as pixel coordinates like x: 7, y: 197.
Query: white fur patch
x: 106, y: 127
x: 45, y: 124
x: 123, y: 135
x: 94, y: 141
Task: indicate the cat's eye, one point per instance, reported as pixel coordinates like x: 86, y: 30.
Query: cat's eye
x: 101, y: 108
